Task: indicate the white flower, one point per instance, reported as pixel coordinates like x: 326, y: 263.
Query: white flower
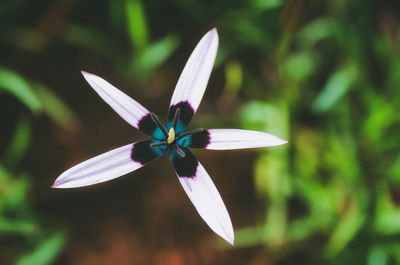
x: 172, y: 139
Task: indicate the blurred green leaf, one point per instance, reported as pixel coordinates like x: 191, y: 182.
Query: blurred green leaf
x: 300, y: 65
x: 394, y: 251
x: 266, y: 4
x: 137, y: 27
x: 234, y: 77
x: 388, y: 221
x: 345, y: 230
x: 12, y: 226
x: 15, y: 192
x: 300, y: 229
x: 45, y: 252
x: 340, y: 157
x: 394, y: 170
x: 267, y: 117
x: 273, y: 185
x: 154, y: 55
x: 247, y: 32
x: 380, y: 117
x: 320, y: 200
x: 316, y: 31
x: 233, y: 80
x: 377, y: 256
x: 308, y: 144
x: 19, y: 143
x: 387, y: 217
x: 335, y: 88
x: 249, y: 236
x: 16, y: 85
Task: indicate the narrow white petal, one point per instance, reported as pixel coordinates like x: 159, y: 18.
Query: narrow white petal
x: 223, y: 139
x: 130, y: 110
x: 208, y: 203
x: 104, y: 167
x: 194, y: 78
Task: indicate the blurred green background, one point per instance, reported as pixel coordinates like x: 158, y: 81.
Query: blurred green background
x: 324, y: 75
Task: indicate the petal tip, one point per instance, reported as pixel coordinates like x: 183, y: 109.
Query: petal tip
x: 279, y: 141
x: 88, y: 76
x: 56, y: 185
x: 229, y: 234
x: 231, y: 241
x: 214, y: 33
x: 61, y: 183
x: 84, y: 73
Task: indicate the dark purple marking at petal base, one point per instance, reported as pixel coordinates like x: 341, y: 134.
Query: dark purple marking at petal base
x: 200, y: 140
x: 147, y: 125
x: 143, y: 153
x: 186, y: 114
x: 185, y: 167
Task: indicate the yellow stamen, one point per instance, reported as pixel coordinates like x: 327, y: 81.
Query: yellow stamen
x: 171, y: 135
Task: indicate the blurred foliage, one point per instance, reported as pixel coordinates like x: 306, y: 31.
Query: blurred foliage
x: 324, y: 75
x: 16, y: 85
x: 333, y: 181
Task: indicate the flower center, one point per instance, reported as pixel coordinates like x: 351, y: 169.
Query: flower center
x: 171, y: 135
x: 171, y: 138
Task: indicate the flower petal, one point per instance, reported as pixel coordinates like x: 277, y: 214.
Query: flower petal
x: 193, y: 80
x: 203, y: 193
x: 224, y: 139
x: 109, y: 165
x: 130, y: 110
